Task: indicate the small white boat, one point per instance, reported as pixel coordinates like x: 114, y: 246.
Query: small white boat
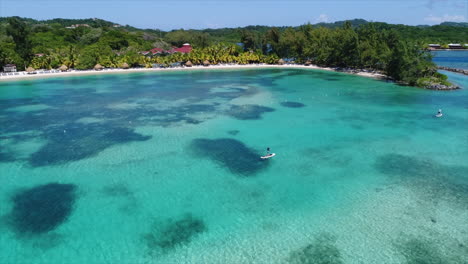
x: 438, y: 115
x: 268, y: 156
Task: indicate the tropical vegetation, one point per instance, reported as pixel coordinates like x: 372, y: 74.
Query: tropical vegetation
x: 395, y: 50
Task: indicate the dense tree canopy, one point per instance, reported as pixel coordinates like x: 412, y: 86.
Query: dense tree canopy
x: 396, y: 50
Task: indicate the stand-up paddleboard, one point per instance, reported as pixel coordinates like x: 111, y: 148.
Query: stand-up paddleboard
x: 268, y: 156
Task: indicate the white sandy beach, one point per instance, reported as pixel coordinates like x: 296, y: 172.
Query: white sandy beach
x: 42, y: 74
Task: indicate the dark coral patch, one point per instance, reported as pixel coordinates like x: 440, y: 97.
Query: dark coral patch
x: 417, y: 251
x: 78, y: 142
x: 127, y: 203
x: 117, y: 190
x: 439, y: 181
x: 248, y: 112
x: 231, y: 153
x: 6, y: 156
x: 396, y: 164
x: 292, y: 104
x: 233, y: 132
x: 321, y: 251
x: 172, y: 233
x: 42, y: 208
x: 411, y: 167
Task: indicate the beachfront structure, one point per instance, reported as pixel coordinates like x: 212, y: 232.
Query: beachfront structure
x: 186, y: 48
x: 156, y: 51
x: 9, y: 68
x: 455, y: 46
x: 434, y: 46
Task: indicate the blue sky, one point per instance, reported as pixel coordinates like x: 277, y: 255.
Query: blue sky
x: 175, y: 14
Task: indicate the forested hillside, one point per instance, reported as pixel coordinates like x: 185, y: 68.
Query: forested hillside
x: 397, y: 50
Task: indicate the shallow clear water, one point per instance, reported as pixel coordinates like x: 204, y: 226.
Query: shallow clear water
x: 164, y: 168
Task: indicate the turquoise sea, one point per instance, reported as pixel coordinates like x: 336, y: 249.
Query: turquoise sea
x: 163, y: 167
x: 454, y: 59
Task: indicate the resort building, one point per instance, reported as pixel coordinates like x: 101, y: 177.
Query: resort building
x: 156, y: 51
x: 9, y: 68
x: 186, y: 48
x: 455, y: 46
x: 434, y: 46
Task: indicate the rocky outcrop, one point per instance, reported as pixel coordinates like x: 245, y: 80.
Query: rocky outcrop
x: 441, y: 87
x: 462, y: 71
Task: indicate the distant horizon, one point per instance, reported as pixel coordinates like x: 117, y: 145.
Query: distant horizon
x: 252, y: 25
x: 210, y: 14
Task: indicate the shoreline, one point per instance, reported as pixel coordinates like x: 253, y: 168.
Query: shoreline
x: 24, y: 76
x: 450, y: 50
x: 455, y: 70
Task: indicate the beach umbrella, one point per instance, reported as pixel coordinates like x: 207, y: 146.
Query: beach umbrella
x: 188, y: 64
x: 280, y: 61
x: 63, y: 68
x: 308, y: 63
x: 30, y: 70
x: 206, y: 63
x: 98, y: 67
x: 125, y: 65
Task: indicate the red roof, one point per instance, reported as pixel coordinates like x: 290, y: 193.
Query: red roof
x: 156, y: 50
x: 184, y: 49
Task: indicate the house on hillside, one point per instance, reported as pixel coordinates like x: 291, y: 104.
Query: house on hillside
x: 455, y: 46
x: 9, y: 68
x: 156, y: 51
x: 186, y: 48
x: 434, y: 46
x: 77, y: 25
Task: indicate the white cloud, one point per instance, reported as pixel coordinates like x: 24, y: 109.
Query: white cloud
x: 444, y: 18
x: 322, y: 18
